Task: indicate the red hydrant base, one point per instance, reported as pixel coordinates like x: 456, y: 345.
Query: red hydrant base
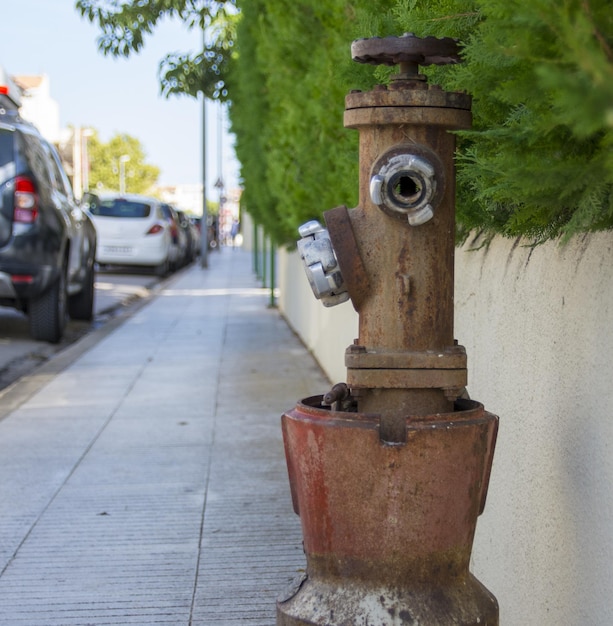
x: 388, y: 528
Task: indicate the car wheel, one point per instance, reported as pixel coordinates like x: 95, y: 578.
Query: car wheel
x: 81, y: 305
x: 47, y: 312
x: 162, y: 269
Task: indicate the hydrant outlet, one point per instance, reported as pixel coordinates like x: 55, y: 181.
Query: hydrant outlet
x: 407, y: 182
x: 321, y: 265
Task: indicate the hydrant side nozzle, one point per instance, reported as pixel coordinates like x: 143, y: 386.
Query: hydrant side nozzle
x: 347, y: 253
x: 321, y: 265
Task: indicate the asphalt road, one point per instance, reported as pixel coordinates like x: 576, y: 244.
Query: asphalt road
x: 116, y: 290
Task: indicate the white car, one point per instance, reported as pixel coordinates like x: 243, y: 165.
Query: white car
x: 132, y: 230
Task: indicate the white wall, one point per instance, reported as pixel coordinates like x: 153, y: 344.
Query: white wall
x: 537, y: 326
x: 326, y: 332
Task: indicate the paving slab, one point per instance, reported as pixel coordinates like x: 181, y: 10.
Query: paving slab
x: 144, y: 481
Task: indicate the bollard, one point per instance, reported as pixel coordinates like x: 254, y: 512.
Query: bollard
x: 389, y: 471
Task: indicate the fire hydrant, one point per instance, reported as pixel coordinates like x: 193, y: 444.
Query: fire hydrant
x: 389, y: 471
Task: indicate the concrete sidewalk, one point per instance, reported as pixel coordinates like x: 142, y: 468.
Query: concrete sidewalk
x: 146, y: 482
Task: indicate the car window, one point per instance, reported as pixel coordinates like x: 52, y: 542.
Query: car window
x: 120, y: 208
x: 54, y: 168
x: 167, y: 211
x: 7, y: 161
x: 59, y: 173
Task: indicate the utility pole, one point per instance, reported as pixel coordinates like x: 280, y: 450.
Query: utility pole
x: 204, y: 228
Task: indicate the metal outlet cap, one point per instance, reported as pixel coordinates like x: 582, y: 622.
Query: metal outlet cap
x: 407, y: 183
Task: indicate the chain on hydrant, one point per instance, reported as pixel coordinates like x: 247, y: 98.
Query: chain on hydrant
x: 389, y: 471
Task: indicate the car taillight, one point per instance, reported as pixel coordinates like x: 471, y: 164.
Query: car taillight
x: 155, y: 229
x: 26, y: 279
x: 25, y: 210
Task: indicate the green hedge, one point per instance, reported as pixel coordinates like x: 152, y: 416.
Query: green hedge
x: 538, y: 161
x: 287, y: 92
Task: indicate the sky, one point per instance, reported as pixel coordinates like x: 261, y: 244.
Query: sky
x: 118, y: 95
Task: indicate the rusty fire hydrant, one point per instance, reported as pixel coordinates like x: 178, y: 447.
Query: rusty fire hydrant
x: 389, y: 471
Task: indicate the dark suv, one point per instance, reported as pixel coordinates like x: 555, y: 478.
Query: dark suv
x: 47, y: 242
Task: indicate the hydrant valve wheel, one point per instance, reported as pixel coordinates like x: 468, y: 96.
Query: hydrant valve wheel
x: 406, y: 49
